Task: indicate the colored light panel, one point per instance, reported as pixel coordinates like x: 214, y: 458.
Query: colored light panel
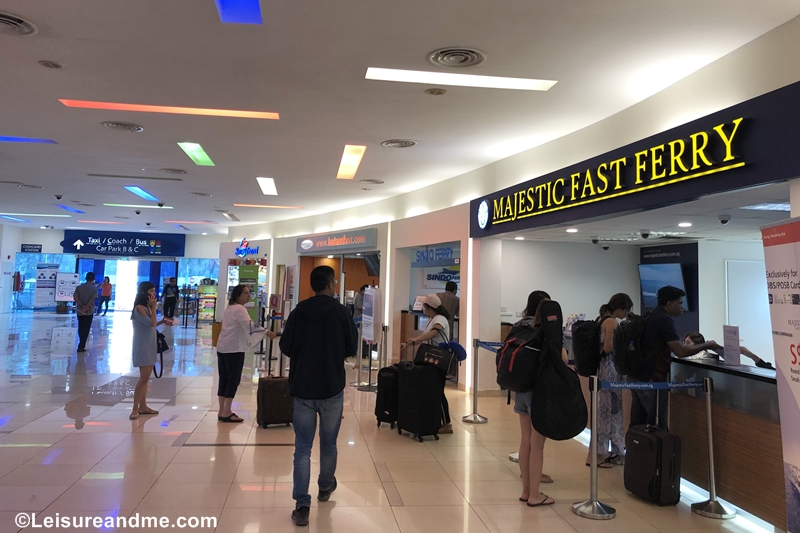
x: 267, y: 186
x: 141, y: 193
x: 457, y: 80
x: 71, y: 209
x: 32, y: 215
x: 239, y: 11
x: 139, y: 206
x: 197, y: 154
x: 351, y: 158
x: 269, y: 206
x: 13, y: 219
x: 111, y: 106
x: 26, y: 140
x: 101, y: 222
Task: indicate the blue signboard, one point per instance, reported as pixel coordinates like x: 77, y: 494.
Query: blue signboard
x: 440, y: 256
x: 115, y: 243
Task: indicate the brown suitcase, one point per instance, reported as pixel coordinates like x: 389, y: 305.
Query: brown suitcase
x: 274, y: 402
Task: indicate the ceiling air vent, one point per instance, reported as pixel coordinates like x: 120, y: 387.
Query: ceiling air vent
x: 14, y: 25
x: 372, y: 182
x: 455, y: 57
x: 399, y: 143
x: 201, y: 194
x: 124, y: 126
x: 172, y: 171
x: 51, y: 64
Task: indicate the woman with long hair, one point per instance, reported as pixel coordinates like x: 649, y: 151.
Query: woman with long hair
x: 145, y: 344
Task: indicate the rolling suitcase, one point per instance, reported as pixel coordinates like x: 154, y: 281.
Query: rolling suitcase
x: 419, y: 405
x: 386, y: 400
x: 653, y: 464
x: 274, y: 402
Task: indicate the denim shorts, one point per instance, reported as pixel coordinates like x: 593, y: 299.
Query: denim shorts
x: 522, y: 403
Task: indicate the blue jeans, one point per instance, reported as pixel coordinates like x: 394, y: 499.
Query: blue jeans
x: 304, y: 421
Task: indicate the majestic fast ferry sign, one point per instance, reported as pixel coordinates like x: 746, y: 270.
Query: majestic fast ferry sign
x: 702, y: 153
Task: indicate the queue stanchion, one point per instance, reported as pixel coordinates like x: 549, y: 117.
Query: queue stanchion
x: 475, y: 418
x: 359, y: 354
x: 593, y: 508
x: 711, y: 508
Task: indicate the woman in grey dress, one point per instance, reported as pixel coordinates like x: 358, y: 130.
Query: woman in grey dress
x: 144, y: 344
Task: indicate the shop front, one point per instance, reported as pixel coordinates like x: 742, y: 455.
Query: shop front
x: 682, y: 208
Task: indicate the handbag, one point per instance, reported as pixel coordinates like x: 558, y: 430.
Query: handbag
x: 161, y: 347
x: 441, y: 358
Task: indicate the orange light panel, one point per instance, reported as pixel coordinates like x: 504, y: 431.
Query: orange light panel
x: 270, y: 206
x: 351, y: 158
x: 84, y: 104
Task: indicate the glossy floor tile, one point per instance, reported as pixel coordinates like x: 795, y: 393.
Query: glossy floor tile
x: 67, y: 446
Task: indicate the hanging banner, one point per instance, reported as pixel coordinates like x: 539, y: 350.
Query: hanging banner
x: 781, y: 252
x: 66, y: 284
x: 45, y: 295
x: 248, y: 275
x: 371, y: 316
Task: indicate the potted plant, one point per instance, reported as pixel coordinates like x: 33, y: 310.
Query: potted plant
x: 62, y: 308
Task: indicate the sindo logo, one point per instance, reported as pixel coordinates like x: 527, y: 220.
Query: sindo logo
x: 483, y: 214
x: 307, y: 244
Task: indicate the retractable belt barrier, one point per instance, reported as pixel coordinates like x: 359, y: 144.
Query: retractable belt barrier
x: 595, y: 509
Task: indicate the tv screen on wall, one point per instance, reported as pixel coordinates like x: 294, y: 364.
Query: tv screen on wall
x: 653, y: 277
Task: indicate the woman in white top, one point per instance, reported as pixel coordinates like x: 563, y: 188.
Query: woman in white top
x: 232, y: 343
x: 435, y: 332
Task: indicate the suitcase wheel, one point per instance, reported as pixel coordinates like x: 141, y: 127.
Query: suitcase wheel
x: 436, y: 437
x: 392, y: 425
x: 379, y: 424
x: 264, y: 426
x: 399, y: 431
x: 419, y: 438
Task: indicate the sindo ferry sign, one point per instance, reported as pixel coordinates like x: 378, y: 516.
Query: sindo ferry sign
x: 345, y: 240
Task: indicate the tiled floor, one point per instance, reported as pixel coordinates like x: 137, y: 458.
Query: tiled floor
x: 67, y: 447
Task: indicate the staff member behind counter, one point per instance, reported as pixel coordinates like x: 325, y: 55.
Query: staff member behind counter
x: 693, y: 339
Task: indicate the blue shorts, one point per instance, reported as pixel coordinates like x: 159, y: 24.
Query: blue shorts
x: 522, y: 403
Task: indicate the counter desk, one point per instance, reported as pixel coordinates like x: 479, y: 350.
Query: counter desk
x: 747, y: 435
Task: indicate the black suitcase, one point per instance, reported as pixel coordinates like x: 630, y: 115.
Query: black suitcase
x: 274, y: 402
x: 653, y: 464
x: 387, y: 398
x: 419, y: 406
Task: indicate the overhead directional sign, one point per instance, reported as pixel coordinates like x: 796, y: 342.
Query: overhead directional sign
x: 123, y: 244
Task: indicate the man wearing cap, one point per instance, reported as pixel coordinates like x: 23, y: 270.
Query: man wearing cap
x: 451, y: 302
x: 435, y: 332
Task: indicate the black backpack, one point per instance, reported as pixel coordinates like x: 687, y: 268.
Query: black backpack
x: 558, y: 408
x: 518, y: 359
x: 586, y: 347
x: 628, y: 356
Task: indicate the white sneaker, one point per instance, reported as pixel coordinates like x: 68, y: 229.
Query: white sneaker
x: 513, y: 457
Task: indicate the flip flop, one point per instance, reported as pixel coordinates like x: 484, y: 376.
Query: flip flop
x: 602, y: 464
x: 148, y: 412
x: 133, y: 416
x: 545, y: 479
x: 230, y: 419
x: 546, y: 497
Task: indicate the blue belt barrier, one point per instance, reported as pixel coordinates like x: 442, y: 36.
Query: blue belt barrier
x: 650, y: 385
x: 491, y: 346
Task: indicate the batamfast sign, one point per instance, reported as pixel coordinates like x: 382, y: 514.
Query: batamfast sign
x: 344, y: 240
x: 748, y: 144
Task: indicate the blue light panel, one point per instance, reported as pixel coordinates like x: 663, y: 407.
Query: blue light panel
x: 141, y: 193
x: 239, y: 11
x: 15, y: 219
x: 71, y: 209
x: 26, y: 140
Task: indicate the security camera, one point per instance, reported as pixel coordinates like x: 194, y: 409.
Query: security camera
x: 160, y: 205
x: 724, y: 219
x: 59, y: 196
x: 138, y: 212
x: 606, y: 247
x: 147, y: 223
x: 595, y: 240
x: 645, y: 233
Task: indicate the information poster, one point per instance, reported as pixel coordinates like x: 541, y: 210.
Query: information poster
x: 371, y: 316
x: 781, y: 253
x: 248, y: 275
x: 733, y: 352
x: 45, y: 295
x: 65, y: 286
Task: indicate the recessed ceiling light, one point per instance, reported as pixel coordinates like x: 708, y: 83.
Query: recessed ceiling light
x: 13, y: 219
x: 685, y: 225
x: 372, y: 181
x: 769, y: 207
x: 204, y: 233
x: 365, y: 189
x: 351, y: 158
x: 572, y: 230
x: 123, y: 126
x: 5, y: 139
x: 71, y: 209
x: 101, y: 222
x: 26, y: 186
x: 269, y: 206
x: 172, y: 170
x: 459, y: 80
x: 399, y: 143
x: 51, y: 64
x: 34, y: 215
x: 239, y: 11
x: 231, y: 217
x: 205, y: 194
x: 141, y: 193
x: 519, y: 238
x: 111, y: 106
x: 435, y: 92
x: 267, y: 186
x: 136, y: 206
x: 330, y: 257
x: 196, y: 154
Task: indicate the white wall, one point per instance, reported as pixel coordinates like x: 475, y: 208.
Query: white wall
x: 204, y: 246
x: 50, y: 239
x: 581, y: 277
x: 10, y: 241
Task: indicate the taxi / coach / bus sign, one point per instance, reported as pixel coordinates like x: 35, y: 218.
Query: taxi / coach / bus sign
x: 88, y: 242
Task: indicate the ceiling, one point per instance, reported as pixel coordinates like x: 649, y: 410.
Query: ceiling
x: 662, y: 224
x: 307, y: 62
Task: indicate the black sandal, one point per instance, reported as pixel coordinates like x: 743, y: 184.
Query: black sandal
x: 230, y: 418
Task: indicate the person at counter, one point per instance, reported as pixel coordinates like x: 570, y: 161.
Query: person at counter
x: 693, y: 339
x: 358, y: 302
x: 659, y: 341
x: 451, y: 302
